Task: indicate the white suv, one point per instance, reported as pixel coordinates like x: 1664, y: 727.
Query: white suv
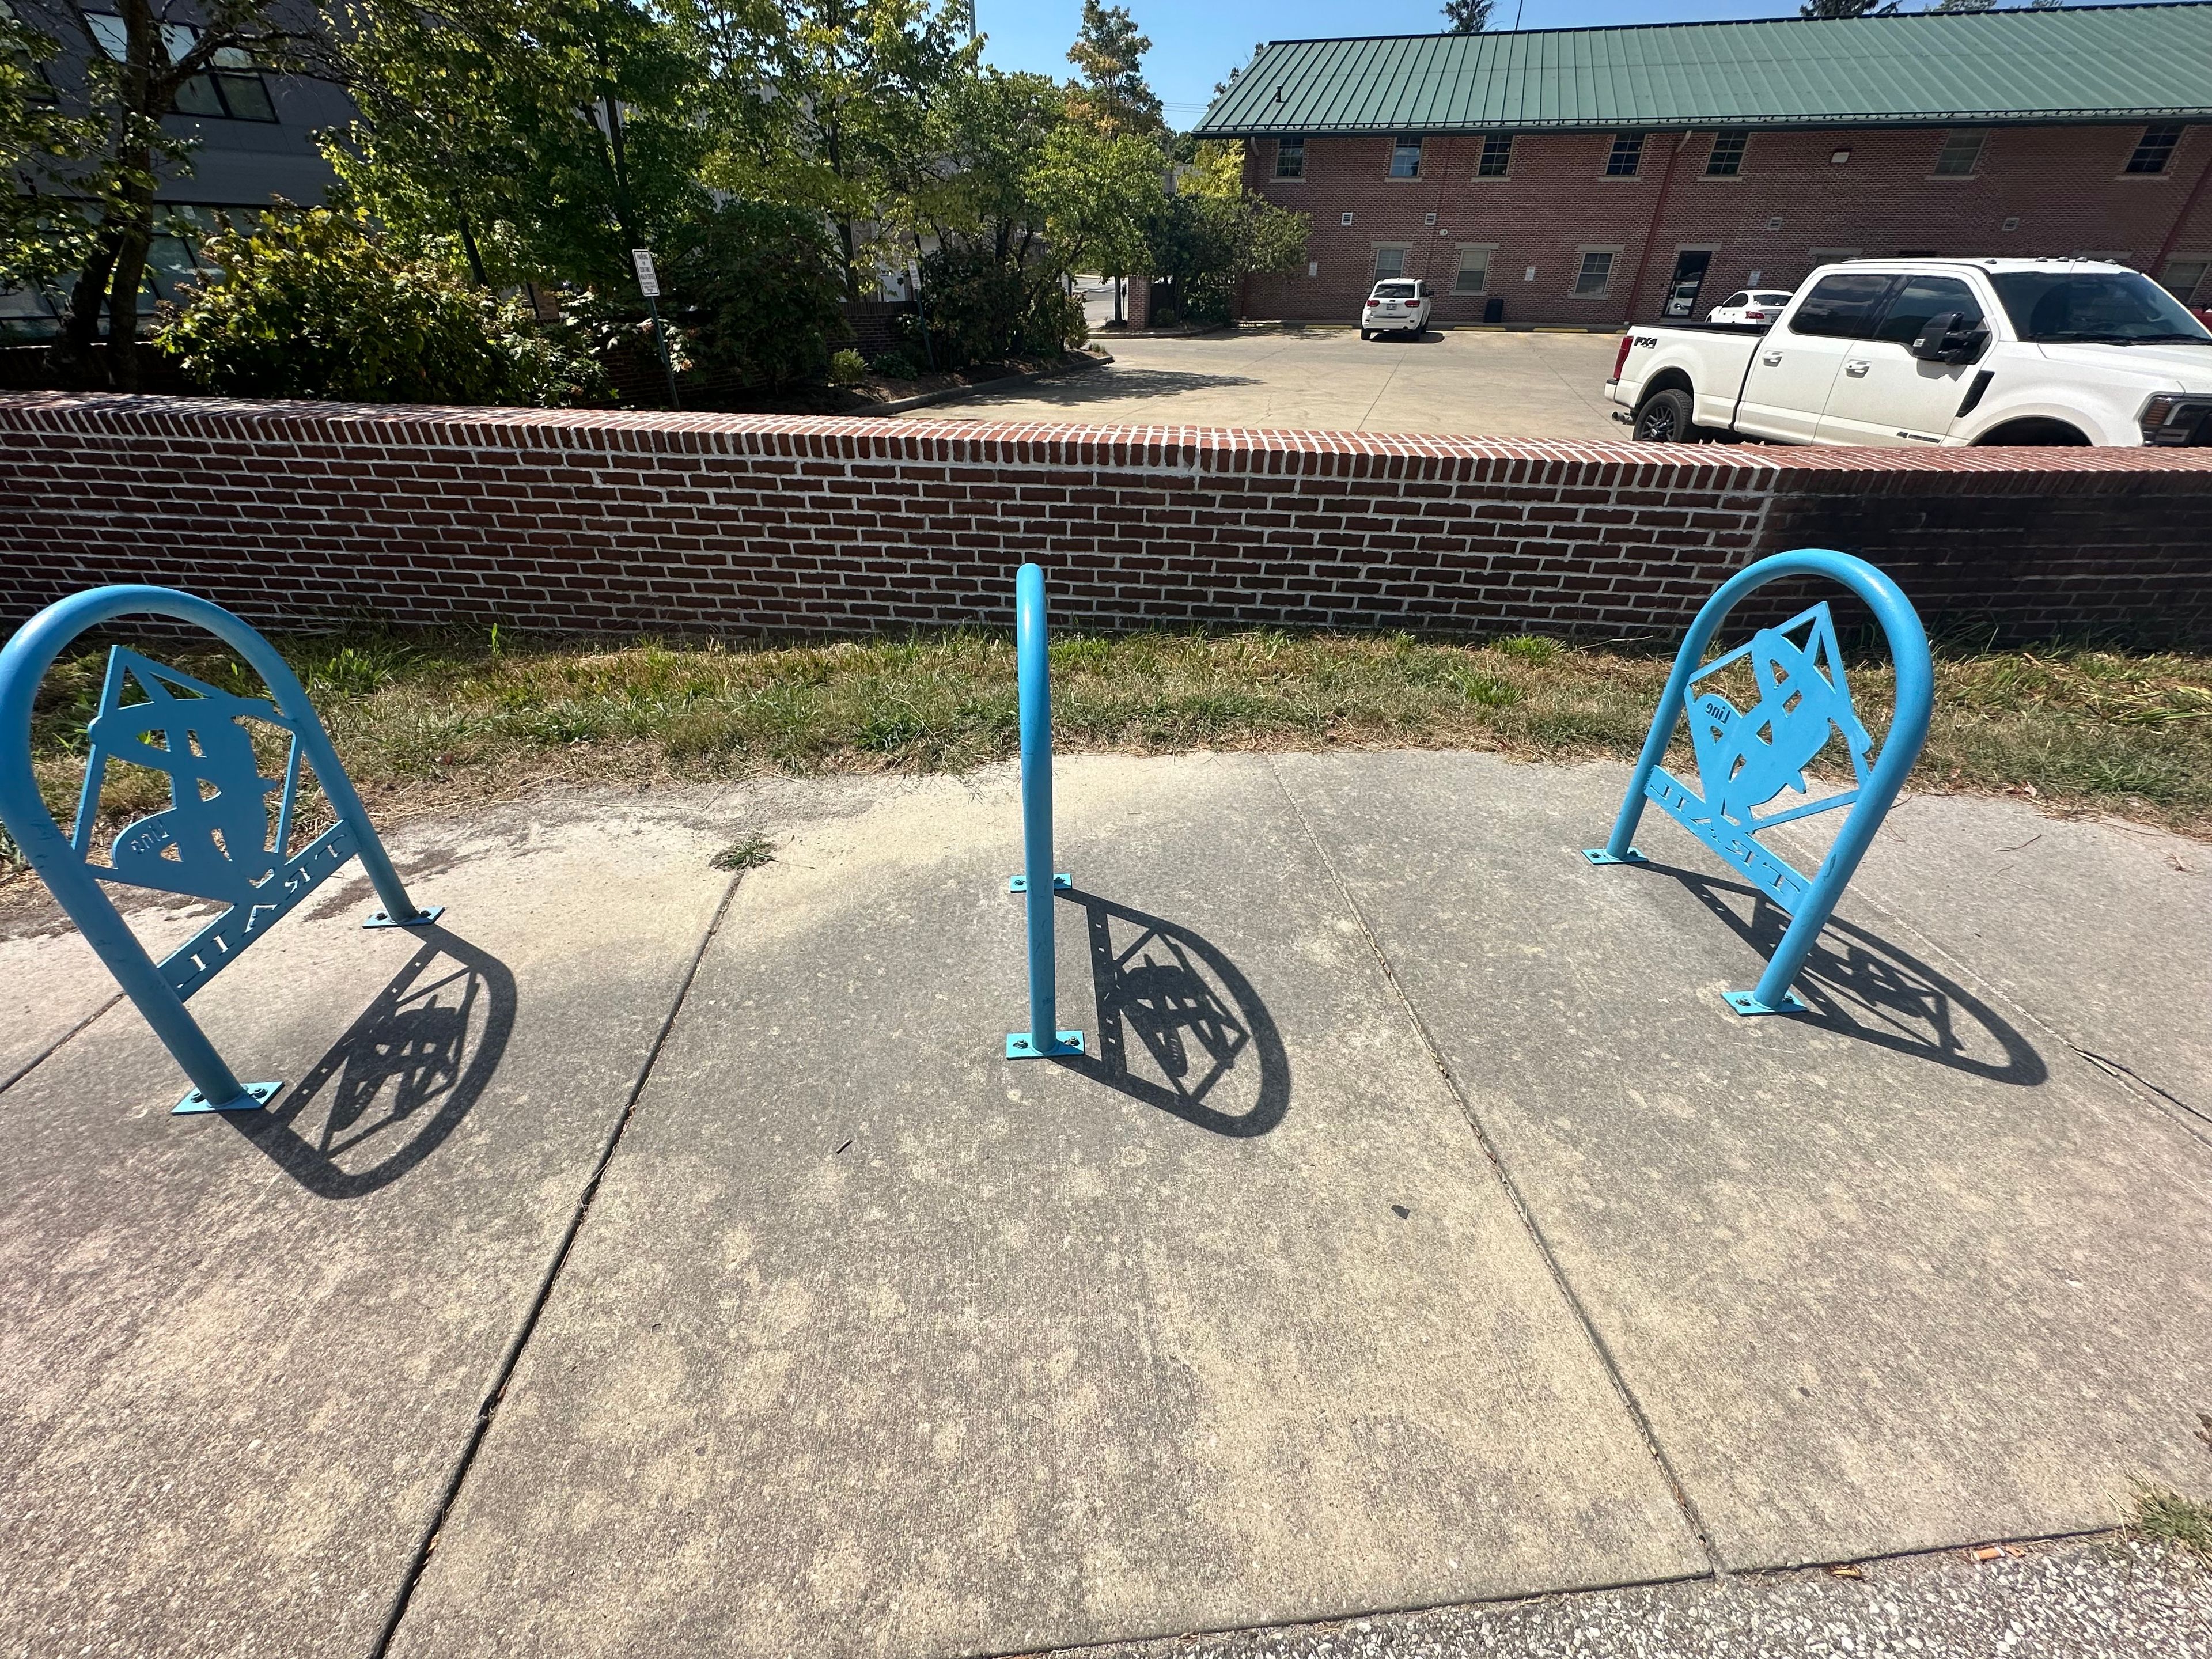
x: 1399, y: 305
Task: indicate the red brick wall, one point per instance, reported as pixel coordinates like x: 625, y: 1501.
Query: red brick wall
x: 310, y: 516
x: 2064, y: 185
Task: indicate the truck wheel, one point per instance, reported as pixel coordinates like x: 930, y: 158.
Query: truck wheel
x: 1664, y: 418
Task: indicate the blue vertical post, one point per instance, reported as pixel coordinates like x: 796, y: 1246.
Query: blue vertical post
x: 1038, y: 880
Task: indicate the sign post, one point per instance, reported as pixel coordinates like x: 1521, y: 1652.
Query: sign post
x: 648, y: 283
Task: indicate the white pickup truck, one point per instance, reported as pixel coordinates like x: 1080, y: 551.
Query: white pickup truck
x: 1905, y: 352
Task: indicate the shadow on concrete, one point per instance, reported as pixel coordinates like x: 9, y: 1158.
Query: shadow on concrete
x: 400, y: 1080
x: 1177, y: 1026
x: 1864, y: 987
x: 1427, y: 337
x: 1115, y: 384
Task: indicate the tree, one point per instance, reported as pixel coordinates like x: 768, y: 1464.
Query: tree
x: 1817, y: 9
x: 1468, y: 16
x: 41, y: 147
x: 1203, y: 242
x: 757, y: 285
x: 1098, y: 195
x: 832, y: 103
x: 536, y: 140
x: 1111, y: 95
x: 319, y: 304
x: 122, y: 72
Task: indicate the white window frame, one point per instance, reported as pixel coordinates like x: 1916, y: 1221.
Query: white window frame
x: 1460, y: 251
x: 1376, y: 274
x: 1956, y: 135
x: 1299, y: 177
x: 1582, y: 260
x: 1419, y: 146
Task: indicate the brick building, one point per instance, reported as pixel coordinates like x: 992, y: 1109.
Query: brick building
x: 1566, y: 176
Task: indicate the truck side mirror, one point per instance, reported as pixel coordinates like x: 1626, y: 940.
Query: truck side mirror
x: 1950, y: 336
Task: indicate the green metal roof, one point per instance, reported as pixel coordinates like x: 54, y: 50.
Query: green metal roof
x: 2105, y: 63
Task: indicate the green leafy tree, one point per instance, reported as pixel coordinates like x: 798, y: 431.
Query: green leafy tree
x: 758, y: 285
x: 532, y: 140
x: 1098, y: 195
x: 42, y: 145
x: 135, y: 62
x: 830, y: 105
x: 1468, y: 16
x: 318, y: 304
x: 1816, y: 10
x: 1111, y: 95
x: 1204, y: 244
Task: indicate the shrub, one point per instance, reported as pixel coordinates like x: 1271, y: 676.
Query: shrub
x: 897, y: 365
x: 847, y: 367
x: 981, y: 309
x: 761, y: 288
x: 316, y: 304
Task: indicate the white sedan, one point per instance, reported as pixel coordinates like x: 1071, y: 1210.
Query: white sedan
x: 1398, y: 304
x: 1755, y: 306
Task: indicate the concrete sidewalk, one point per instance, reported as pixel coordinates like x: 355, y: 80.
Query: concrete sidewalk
x: 1420, y: 1228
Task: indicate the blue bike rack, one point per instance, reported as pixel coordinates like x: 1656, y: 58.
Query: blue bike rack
x: 1746, y: 757
x: 215, y: 841
x: 1038, y: 879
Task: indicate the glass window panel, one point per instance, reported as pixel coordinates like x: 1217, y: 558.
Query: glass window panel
x: 2156, y: 149
x: 1496, y: 154
x: 1627, y: 155
x: 247, y: 96
x: 1590, y: 280
x: 197, y: 96
x: 108, y: 30
x: 1841, y: 307
x: 1917, y: 299
x: 2182, y: 277
x: 1726, y: 161
x: 1389, y: 262
x: 1473, y: 274
x: 1960, y: 154
x: 1290, y: 158
x: 1406, y: 158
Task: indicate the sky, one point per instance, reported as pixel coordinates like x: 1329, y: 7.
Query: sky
x: 1196, y: 42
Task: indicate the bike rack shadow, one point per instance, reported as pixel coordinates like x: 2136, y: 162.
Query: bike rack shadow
x: 1192, y: 1014
x: 1857, y: 984
x: 400, y: 1080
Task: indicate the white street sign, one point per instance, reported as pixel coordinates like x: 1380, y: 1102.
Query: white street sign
x: 647, y: 281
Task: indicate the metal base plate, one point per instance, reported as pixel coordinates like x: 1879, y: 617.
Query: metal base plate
x: 257, y: 1096
x: 1021, y: 883
x: 1019, y: 1047
x: 420, y: 918
x: 1599, y: 855
x: 1745, y: 1003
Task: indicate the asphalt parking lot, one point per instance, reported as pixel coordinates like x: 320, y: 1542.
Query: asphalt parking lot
x: 1466, y: 382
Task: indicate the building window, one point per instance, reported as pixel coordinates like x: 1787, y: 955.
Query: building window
x: 2157, y: 148
x: 1960, y: 154
x: 1473, y: 274
x: 234, y: 90
x: 1727, y: 158
x: 1627, y: 155
x: 1596, y: 273
x: 1406, y: 157
x: 2182, y: 277
x: 1290, y: 158
x: 1390, y: 260
x: 1497, y: 156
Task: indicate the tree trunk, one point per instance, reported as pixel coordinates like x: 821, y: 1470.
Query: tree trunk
x: 72, y: 354
x: 123, y: 303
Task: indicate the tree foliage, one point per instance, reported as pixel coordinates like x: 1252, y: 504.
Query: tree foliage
x: 1110, y: 95
x: 757, y: 285
x: 1468, y: 16
x: 132, y: 64
x: 318, y: 304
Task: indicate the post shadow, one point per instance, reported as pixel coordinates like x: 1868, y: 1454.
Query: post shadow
x: 1194, y: 1016
x: 1857, y: 984
x: 411, y: 1049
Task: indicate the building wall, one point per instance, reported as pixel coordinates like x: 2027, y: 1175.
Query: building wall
x: 2063, y: 184
x: 307, y: 516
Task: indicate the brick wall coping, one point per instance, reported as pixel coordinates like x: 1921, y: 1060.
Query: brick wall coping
x: 1200, y: 449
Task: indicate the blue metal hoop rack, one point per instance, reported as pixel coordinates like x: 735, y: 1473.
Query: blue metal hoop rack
x: 215, y: 841
x: 1746, y: 758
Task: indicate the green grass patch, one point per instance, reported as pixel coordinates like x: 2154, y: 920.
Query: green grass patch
x: 2181, y: 1523
x: 442, y: 716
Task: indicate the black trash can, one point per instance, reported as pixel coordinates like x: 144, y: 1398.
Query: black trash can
x: 1493, y: 309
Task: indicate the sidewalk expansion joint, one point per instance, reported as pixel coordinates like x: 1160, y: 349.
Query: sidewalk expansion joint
x: 489, y: 1409
x: 1626, y: 1394
x: 57, y: 1045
